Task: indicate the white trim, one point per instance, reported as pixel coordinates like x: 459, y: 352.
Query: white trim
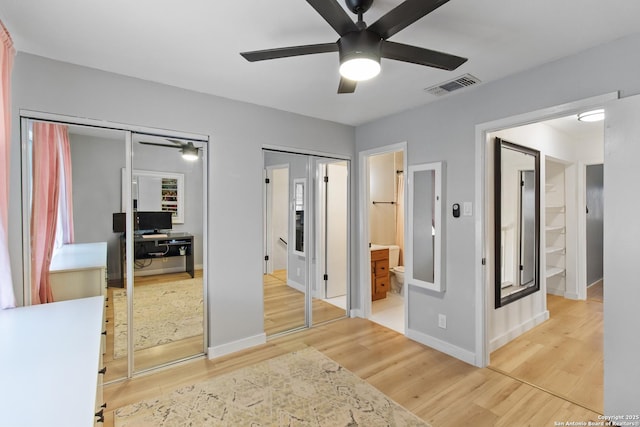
x: 442, y: 346
x: 234, y: 346
x: 553, y: 291
x: 297, y: 286
x: 355, y: 312
x: 482, y: 305
x: 296, y: 150
x: 520, y: 329
x: 364, y: 255
x: 84, y: 121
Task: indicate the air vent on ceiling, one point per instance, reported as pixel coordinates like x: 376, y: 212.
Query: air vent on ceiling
x: 451, y: 85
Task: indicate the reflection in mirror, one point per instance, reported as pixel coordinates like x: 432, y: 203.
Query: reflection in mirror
x: 168, y: 288
x: 517, y: 227
x: 298, y: 203
x: 424, y: 266
x: 153, y: 190
x: 71, y: 177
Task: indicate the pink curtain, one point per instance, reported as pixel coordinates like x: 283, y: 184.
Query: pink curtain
x: 400, y: 216
x: 48, y: 139
x: 7, y: 53
x: 66, y: 203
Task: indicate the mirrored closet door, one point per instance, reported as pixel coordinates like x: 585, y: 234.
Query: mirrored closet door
x: 306, y: 271
x: 81, y: 186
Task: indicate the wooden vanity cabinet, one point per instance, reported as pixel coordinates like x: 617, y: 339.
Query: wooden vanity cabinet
x: 379, y: 274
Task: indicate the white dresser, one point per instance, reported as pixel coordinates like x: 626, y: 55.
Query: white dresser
x: 79, y: 270
x: 49, y: 362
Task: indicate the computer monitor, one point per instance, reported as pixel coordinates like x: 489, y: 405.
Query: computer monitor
x: 151, y: 221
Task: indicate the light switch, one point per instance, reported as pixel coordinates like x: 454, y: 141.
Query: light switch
x: 467, y: 209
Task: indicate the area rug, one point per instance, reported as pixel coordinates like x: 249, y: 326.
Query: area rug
x: 303, y: 388
x: 162, y: 313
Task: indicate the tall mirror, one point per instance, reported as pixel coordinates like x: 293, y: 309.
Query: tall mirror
x: 76, y: 245
x: 424, y: 263
x: 517, y: 222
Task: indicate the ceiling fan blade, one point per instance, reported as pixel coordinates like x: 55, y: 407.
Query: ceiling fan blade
x: 284, y: 52
x: 176, y: 141
x: 347, y: 86
x: 157, y: 145
x: 335, y: 15
x: 403, y: 15
x: 421, y: 56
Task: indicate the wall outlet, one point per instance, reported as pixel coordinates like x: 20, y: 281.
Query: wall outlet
x: 165, y: 259
x: 442, y: 321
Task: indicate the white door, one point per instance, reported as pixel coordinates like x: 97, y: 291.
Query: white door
x: 621, y: 256
x: 336, y: 230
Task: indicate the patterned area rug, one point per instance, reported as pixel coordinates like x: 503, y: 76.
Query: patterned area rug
x: 162, y: 313
x: 304, y: 388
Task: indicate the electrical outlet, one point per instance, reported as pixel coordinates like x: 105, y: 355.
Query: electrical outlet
x: 442, y: 321
x: 165, y: 259
x: 467, y: 209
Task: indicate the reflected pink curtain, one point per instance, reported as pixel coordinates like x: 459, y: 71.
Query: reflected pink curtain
x: 66, y: 202
x: 48, y: 138
x: 7, y: 53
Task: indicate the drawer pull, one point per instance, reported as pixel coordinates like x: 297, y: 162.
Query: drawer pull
x: 100, y: 415
x: 104, y: 405
x: 104, y: 333
x: 103, y: 371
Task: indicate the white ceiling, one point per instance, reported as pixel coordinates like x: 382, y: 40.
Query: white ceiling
x: 195, y: 44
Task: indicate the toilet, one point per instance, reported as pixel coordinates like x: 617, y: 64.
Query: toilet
x: 397, y: 271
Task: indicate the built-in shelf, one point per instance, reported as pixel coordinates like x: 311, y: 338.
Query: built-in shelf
x: 555, y: 228
x: 554, y: 271
x: 554, y: 249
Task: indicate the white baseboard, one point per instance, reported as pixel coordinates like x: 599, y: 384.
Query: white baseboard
x: 558, y: 292
x: 355, y: 312
x: 295, y: 285
x: 571, y: 295
x: 176, y: 269
x: 442, y: 346
x: 232, y: 347
x: 518, y: 330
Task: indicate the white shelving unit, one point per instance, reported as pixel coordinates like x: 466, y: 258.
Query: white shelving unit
x: 555, y: 227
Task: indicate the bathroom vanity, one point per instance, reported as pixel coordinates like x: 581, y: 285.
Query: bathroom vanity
x: 379, y: 273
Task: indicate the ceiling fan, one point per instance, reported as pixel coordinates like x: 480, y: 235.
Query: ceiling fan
x: 360, y: 46
x: 188, y: 150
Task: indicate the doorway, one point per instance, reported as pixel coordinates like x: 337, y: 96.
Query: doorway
x: 306, y: 235
x: 383, y: 251
x: 544, y: 339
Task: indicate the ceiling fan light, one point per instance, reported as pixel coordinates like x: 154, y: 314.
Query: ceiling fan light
x: 359, y: 68
x: 189, y: 153
x: 592, y: 116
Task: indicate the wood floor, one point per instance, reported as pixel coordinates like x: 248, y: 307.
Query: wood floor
x: 438, y: 388
x: 284, y: 306
x: 154, y: 356
x: 563, y: 355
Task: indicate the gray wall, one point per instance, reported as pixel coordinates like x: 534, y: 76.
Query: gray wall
x: 237, y: 130
x: 595, y: 221
x: 445, y: 131
x: 96, y: 165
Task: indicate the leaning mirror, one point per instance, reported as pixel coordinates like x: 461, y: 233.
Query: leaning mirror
x: 517, y: 222
x: 425, y: 228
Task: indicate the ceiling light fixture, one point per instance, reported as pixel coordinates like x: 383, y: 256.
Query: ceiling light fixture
x: 592, y: 116
x: 190, y: 153
x: 359, y: 55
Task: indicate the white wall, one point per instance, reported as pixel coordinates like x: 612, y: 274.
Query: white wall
x: 445, y: 131
x: 382, y: 217
x: 237, y: 130
x: 280, y: 217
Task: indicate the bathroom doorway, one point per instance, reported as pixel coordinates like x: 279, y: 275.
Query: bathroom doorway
x: 384, y: 198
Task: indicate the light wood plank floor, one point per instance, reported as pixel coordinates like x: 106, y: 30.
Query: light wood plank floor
x: 284, y: 306
x: 154, y: 356
x: 563, y: 355
x: 438, y: 388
